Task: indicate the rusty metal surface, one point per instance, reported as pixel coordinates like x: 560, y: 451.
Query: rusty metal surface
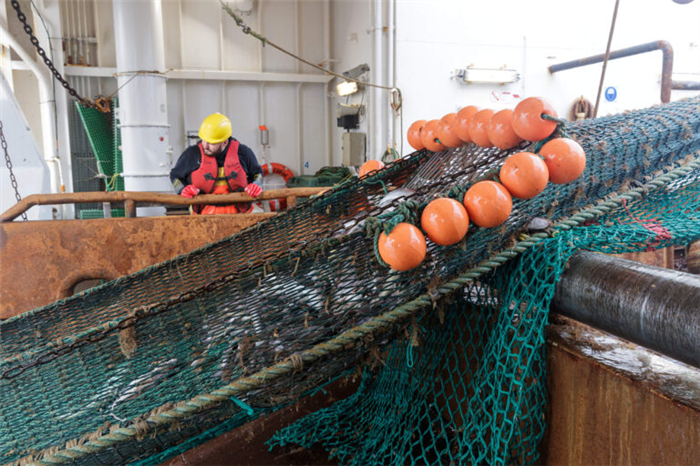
x: 693, y: 258
x: 658, y: 258
x: 613, y: 402
x: 42, y: 261
x: 651, y: 306
x: 245, y: 445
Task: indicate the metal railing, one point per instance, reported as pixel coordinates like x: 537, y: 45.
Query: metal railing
x: 131, y: 199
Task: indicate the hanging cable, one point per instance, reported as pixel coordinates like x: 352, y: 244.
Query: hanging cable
x: 247, y: 30
x: 605, y: 61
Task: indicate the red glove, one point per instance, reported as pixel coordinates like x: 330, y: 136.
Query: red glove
x: 253, y: 190
x: 189, y: 191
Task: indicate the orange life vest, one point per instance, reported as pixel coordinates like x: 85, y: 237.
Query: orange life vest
x: 210, y: 180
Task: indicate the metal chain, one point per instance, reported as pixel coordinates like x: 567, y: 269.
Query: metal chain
x: 8, y: 162
x: 35, y: 42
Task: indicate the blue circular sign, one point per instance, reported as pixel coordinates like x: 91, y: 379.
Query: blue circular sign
x: 610, y: 94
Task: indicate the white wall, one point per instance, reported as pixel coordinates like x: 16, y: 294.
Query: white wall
x: 200, y: 35
x: 435, y: 37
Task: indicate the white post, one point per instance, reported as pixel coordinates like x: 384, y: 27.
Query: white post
x: 378, y: 71
x: 143, y: 112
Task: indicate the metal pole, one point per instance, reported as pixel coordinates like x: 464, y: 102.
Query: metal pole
x: 654, y: 307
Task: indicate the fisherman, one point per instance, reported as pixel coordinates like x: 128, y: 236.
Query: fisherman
x: 219, y: 164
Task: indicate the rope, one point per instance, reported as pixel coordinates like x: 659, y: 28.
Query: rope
x: 605, y: 61
x: 351, y: 337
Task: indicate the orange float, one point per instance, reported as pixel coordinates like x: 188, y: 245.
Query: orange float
x: 524, y: 174
x: 528, y: 122
x: 428, y: 135
x: 370, y: 166
x: 404, y: 248
x: 445, y: 133
x: 488, y: 204
x: 460, y: 126
x: 500, y: 130
x: 565, y: 159
x: 445, y: 221
x: 413, y: 135
x: 477, y: 128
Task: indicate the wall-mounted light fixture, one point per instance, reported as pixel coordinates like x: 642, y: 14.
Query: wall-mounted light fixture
x: 346, y: 88
x: 488, y: 75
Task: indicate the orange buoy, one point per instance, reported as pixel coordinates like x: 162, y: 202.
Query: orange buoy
x: 444, y: 131
x: 404, y: 248
x: 565, y: 159
x: 524, y: 174
x: 370, y: 166
x: 413, y: 135
x: 488, y: 204
x: 445, y: 221
x: 460, y: 126
x: 528, y: 122
x: 500, y: 130
x: 428, y: 135
x: 477, y: 128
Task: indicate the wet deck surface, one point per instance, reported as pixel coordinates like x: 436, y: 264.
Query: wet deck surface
x: 653, y: 371
x: 614, y: 402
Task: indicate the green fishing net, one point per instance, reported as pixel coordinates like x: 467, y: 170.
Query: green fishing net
x: 145, y: 366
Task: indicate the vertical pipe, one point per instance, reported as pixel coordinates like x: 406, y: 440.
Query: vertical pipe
x: 391, y: 68
x: 300, y: 129
x: 377, y: 120
x: 98, y: 48
x: 142, y: 97
x: 183, y: 84
x: 324, y: 89
x: 87, y: 35
x: 300, y: 115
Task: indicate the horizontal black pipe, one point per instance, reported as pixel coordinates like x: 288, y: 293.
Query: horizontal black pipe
x: 666, y: 67
x: 654, y: 307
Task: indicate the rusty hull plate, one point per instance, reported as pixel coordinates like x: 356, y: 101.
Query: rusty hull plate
x: 42, y: 261
x: 614, y: 402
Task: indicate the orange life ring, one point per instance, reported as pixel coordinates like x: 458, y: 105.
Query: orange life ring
x: 281, y: 170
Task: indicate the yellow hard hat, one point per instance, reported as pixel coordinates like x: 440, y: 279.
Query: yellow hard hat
x: 215, y: 128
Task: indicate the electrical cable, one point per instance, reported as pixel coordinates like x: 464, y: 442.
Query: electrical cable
x: 247, y: 30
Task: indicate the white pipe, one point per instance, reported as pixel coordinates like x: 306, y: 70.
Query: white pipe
x: 391, y: 68
x: 326, y: 90
x: 138, y: 26
x: 46, y: 107
x: 377, y: 120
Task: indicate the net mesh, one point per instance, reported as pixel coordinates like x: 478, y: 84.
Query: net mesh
x: 130, y: 370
